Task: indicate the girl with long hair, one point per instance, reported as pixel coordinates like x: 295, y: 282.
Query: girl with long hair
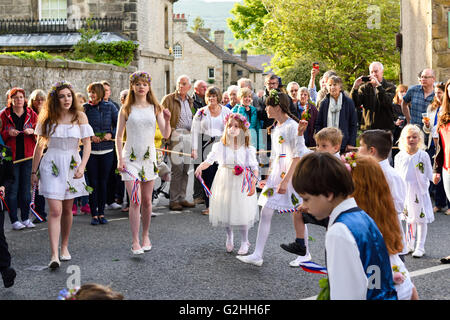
x: 230, y: 205
x: 137, y: 158
x: 371, y: 196
x: 277, y: 193
x: 414, y: 166
x: 61, y: 125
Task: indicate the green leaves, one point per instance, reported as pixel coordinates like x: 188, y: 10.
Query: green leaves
x: 324, y: 293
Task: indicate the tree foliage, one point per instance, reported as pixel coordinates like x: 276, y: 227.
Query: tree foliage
x: 198, y: 24
x: 346, y: 35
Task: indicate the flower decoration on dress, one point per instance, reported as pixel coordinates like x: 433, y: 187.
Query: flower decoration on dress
x: 349, y: 160
x: 68, y: 294
x: 294, y: 200
x: 139, y: 75
x: 237, y: 116
x: 237, y: 170
x: 3, y: 156
x: 132, y: 155
x: 200, y: 114
x: 73, y: 164
x: 147, y: 154
x: 421, y: 167
x: 155, y: 168
x: 306, y: 114
x: 268, y: 192
x: 417, y: 199
x: 282, y: 175
x: 398, y: 276
x: 141, y: 174
x: 281, y: 140
x: 274, y: 95
x: 71, y: 188
x: 58, y: 85
x: 422, y: 215
x: 88, y: 188
x: 55, y: 170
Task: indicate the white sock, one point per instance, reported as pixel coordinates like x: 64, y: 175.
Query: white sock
x: 422, y: 229
x: 263, y: 232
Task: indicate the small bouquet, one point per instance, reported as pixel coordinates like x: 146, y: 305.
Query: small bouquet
x: 68, y: 294
x: 71, y: 188
x: 237, y: 170
x: 87, y: 188
x: 349, y: 160
x: 73, y: 164
x: 399, y: 277
x: 306, y: 114
x: 3, y: 156
x: 147, y: 154
x: 421, y: 167
x: 101, y: 135
x: 132, y: 155
x: 55, y: 170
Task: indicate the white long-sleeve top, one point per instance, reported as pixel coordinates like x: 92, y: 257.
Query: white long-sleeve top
x: 396, y: 185
x: 347, y: 277
x: 204, y: 123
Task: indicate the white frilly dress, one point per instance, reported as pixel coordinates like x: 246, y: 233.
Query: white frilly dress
x: 417, y: 172
x: 228, y: 206
x: 286, y: 145
x: 139, y: 151
x: 59, y: 163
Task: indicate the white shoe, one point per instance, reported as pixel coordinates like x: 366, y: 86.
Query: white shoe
x: 147, y: 248
x: 65, y: 258
x: 18, y: 226
x: 28, y: 224
x: 418, y: 253
x: 138, y: 251
x: 296, y: 263
x: 249, y: 259
x: 113, y: 206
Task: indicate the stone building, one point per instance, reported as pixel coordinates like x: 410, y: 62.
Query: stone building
x: 425, y: 39
x: 148, y: 22
x: 204, y: 59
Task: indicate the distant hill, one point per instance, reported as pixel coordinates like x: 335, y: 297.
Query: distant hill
x: 213, y: 12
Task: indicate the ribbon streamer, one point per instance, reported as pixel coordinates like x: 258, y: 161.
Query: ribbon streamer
x: 33, y: 206
x: 205, y: 187
x: 313, y: 267
x: 288, y: 211
x: 135, y: 190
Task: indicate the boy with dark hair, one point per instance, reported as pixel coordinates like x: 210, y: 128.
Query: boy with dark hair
x: 378, y: 144
x: 357, y: 259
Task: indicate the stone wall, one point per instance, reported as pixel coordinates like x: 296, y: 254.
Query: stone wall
x: 32, y: 74
x: 441, y: 51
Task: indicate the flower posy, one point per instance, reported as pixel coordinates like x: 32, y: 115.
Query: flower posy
x: 68, y: 294
x: 349, y: 160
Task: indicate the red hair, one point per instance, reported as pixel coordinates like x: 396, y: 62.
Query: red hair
x: 12, y: 93
x: 373, y: 196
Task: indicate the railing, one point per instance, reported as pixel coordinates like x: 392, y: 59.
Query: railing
x: 19, y: 26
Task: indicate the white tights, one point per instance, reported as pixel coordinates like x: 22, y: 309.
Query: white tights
x: 244, y: 235
x: 420, y: 235
x: 263, y: 232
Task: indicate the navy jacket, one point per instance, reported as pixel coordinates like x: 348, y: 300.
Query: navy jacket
x: 103, y: 119
x: 348, y: 122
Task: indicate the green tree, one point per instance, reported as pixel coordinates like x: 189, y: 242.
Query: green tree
x: 346, y: 35
x: 198, y: 23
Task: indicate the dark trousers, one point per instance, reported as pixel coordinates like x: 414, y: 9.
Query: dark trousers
x: 115, y: 186
x: 198, y: 189
x: 98, y: 169
x: 18, y: 194
x: 208, y: 176
x: 437, y: 190
x: 5, y: 257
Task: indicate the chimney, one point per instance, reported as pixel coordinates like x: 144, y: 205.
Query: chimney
x: 180, y: 22
x: 204, y: 32
x: 230, y: 49
x: 219, y: 38
x: 244, y: 55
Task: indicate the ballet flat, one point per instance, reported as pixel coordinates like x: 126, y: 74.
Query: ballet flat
x: 246, y: 259
x: 137, y: 252
x: 54, y: 265
x: 147, y: 248
x: 65, y: 258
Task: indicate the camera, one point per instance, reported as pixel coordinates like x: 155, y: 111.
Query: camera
x: 365, y: 79
x: 315, y: 65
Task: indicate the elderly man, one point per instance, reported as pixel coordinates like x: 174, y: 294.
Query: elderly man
x: 292, y: 90
x: 180, y: 107
x: 419, y: 97
x: 374, y: 95
x: 200, y: 87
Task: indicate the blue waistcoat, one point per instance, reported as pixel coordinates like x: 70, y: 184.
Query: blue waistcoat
x: 372, y: 252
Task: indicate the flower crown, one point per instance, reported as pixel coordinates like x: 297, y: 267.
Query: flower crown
x: 58, y: 85
x: 349, y: 160
x: 140, y: 74
x: 237, y: 116
x: 274, y: 95
x: 68, y: 294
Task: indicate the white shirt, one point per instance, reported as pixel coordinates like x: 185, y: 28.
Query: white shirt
x: 348, y: 280
x: 396, y: 185
x: 206, y: 124
x: 185, y: 120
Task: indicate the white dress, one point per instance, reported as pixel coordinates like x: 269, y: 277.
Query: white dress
x: 229, y: 206
x: 286, y: 145
x: 139, y: 152
x: 58, y: 164
x: 404, y: 289
x: 417, y: 173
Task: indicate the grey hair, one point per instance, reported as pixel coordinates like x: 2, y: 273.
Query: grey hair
x: 303, y: 89
x: 232, y: 88
x: 290, y: 84
x: 197, y: 83
x: 246, y: 81
x: 183, y: 76
x: 376, y: 63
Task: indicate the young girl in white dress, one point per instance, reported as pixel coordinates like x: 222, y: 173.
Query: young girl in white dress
x: 233, y: 202
x: 278, y: 193
x: 414, y: 166
x: 61, y: 125
x: 137, y: 159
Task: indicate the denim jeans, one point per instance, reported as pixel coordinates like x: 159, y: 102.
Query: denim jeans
x: 98, y: 169
x: 18, y: 194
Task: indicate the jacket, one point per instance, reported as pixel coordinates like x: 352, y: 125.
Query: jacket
x: 254, y: 122
x: 103, y: 119
x: 310, y: 130
x: 172, y: 102
x: 347, y: 120
x: 377, y: 111
x: 8, y: 123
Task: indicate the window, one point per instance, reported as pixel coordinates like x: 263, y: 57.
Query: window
x: 177, y: 51
x: 166, y: 27
x: 210, y: 73
x: 53, y: 9
x: 239, y: 73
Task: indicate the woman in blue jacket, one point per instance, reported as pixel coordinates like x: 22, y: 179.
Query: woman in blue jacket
x: 102, y: 118
x: 250, y: 112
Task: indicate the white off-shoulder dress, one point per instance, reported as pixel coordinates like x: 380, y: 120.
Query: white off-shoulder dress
x: 59, y: 163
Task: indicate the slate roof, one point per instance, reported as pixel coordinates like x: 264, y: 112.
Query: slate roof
x: 220, y: 53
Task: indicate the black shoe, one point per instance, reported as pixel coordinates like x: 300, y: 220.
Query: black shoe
x: 294, y: 248
x: 8, y: 277
x: 445, y: 260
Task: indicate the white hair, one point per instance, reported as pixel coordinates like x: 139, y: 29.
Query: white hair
x: 290, y: 84
x: 246, y: 81
x: 183, y: 76
x: 232, y: 88
x: 376, y: 63
x: 197, y: 83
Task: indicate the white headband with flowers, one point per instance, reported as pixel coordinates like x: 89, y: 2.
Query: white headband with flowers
x: 237, y: 116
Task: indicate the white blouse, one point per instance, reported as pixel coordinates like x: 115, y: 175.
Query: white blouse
x: 204, y: 123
